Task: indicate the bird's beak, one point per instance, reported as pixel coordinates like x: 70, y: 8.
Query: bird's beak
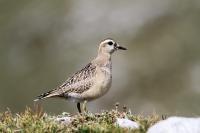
x: 121, y: 48
x: 117, y: 46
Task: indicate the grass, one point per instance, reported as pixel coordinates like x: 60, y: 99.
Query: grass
x: 37, y: 121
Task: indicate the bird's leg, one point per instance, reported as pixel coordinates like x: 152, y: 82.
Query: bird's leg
x: 79, y: 107
x: 84, y: 106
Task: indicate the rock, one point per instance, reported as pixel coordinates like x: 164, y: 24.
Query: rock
x: 64, y: 120
x: 126, y: 123
x: 177, y: 125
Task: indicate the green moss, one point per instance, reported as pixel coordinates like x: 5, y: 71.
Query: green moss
x: 35, y: 120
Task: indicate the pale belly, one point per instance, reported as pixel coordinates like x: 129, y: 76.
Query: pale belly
x: 96, y: 91
x: 101, y: 86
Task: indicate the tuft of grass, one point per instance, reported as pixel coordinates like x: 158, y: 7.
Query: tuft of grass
x: 36, y: 120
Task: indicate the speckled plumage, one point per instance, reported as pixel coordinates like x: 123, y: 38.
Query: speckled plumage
x: 77, y: 83
x: 91, y: 82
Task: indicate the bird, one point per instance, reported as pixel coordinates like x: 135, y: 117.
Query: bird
x: 91, y: 82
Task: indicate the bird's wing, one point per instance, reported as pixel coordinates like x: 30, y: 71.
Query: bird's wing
x: 80, y: 81
x: 77, y: 83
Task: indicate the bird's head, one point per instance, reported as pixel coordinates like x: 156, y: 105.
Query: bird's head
x: 109, y: 46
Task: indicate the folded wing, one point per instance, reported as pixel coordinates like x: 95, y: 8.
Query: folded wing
x: 77, y: 83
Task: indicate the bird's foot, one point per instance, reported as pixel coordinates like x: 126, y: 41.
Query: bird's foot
x: 85, y: 111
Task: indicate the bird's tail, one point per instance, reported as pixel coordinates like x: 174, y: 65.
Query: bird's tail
x: 48, y: 94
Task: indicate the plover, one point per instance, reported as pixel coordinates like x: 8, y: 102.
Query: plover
x: 92, y: 81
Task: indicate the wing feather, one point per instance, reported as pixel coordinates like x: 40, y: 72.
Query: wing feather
x: 78, y: 83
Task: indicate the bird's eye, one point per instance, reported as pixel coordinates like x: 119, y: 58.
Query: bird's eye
x: 110, y: 43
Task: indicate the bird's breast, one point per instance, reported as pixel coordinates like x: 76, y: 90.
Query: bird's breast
x: 105, y: 77
x: 103, y: 80
x: 102, y: 84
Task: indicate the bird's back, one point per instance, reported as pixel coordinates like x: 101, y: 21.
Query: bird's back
x: 78, y: 83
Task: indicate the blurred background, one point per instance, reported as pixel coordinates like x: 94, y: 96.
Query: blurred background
x: 43, y: 42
